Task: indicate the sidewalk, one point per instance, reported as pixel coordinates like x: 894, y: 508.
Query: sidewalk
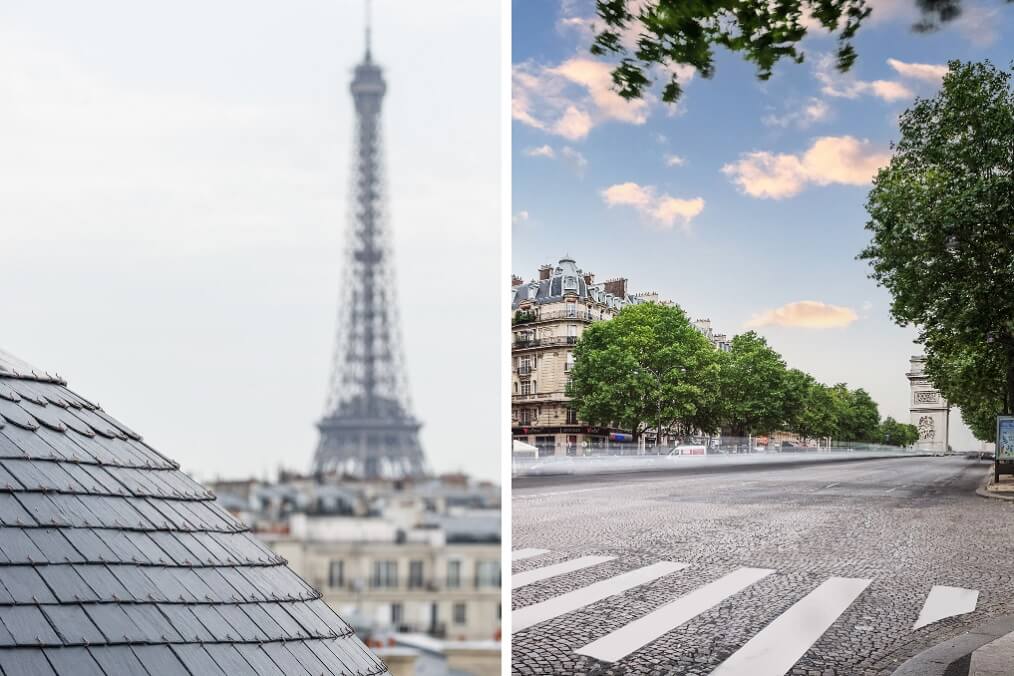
x: 987, y: 650
x: 1004, y: 490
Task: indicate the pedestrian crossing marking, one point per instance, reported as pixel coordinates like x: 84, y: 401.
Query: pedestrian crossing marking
x: 523, y: 618
x: 521, y: 554
x: 778, y: 646
x: 946, y: 602
x: 771, y: 652
x: 530, y: 576
x: 640, y: 632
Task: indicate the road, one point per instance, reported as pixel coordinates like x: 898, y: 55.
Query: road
x: 820, y: 570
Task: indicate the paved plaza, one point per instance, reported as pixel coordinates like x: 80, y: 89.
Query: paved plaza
x: 836, y: 569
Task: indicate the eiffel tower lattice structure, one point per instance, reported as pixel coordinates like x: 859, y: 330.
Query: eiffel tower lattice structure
x: 368, y: 430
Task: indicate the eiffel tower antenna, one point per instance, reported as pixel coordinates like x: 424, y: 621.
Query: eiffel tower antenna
x: 369, y: 6
x: 368, y: 429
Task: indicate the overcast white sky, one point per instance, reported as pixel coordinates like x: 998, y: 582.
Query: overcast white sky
x: 172, y: 186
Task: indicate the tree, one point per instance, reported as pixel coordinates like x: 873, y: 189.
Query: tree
x: 673, y: 33
x: 971, y: 379
x: 752, y: 386
x: 813, y: 417
x: 646, y: 368
x: 893, y: 433
x: 942, y: 220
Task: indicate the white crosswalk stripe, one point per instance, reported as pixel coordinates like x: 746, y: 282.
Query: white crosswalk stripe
x: 944, y: 602
x: 640, y: 632
x: 530, y: 576
x: 521, y: 554
x: 523, y: 618
x: 778, y: 646
x: 773, y: 651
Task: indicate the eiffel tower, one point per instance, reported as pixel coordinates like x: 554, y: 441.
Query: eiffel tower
x: 368, y: 430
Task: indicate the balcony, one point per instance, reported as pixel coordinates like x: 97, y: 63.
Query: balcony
x: 534, y: 396
x: 525, y: 343
x: 525, y: 370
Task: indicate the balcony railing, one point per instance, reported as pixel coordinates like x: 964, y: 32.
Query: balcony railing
x: 536, y: 395
x: 525, y: 369
x: 522, y: 343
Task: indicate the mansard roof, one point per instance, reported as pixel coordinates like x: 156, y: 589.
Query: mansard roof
x: 566, y: 279
x: 113, y: 561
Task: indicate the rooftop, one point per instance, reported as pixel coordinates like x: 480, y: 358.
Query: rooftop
x: 112, y: 561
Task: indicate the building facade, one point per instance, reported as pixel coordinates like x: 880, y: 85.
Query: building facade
x: 549, y: 314
x: 399, y: 558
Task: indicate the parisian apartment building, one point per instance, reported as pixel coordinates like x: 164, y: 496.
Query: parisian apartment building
x: 548, y: 315
x: 393, y: 558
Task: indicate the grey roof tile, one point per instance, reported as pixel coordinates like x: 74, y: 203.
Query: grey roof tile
x: 73, y: 660
x: 24, y: 662
x: 112, y: 561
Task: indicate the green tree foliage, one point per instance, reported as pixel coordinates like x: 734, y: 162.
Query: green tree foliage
x: 942, y: 220
x: 752, y: 386
x: 973, y: 380
x: 893, y: 433
x: 673, y: 33
x: 814, y: 415
x: 855, y: 412
x: 648, y: 368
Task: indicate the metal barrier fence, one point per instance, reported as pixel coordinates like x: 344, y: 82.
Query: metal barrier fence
x: 622, y: 455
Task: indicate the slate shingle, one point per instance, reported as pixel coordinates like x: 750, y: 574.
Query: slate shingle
x: 112, y: 561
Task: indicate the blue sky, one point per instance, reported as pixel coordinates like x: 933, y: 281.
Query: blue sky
x: 745, y: 203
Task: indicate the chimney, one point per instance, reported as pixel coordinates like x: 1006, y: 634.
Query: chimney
x: 617, y: 286
x: 589, y: 278
x: 516, y: 281
x: 545, y: 271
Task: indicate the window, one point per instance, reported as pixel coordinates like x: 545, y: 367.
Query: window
x: 572, y: 309
x: 570, y: 362
x: 453, y: 574
x: 526, y: 416
x: 385, y: 574
x: 487, y: 574
x: 336, y: 574
x: 459, y: 613
x: 396, y: 614
x: 415, y: 574
x: 526, y: 387
x: 571, y: 416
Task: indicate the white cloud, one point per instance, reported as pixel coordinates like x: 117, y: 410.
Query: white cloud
x: 848, y: 86
x: 830, y: 159
x: 812, y: 111
x: 571, y: 98
x: 574, y: 124
x: 927, y: 72
x: 575, y: 159
x: 663, y: 210
x: 541, y: 151
x: 673, y: 160
x: 806, y: 314
x: 520, y: 217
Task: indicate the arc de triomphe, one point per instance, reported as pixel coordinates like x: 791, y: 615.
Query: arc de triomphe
x: 930, y: 412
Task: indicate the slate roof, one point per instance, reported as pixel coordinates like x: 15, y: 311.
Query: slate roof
x: 114, y: 562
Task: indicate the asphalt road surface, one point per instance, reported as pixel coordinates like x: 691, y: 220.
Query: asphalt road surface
x: 834, y: 569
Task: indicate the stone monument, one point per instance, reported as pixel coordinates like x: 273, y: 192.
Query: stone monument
x: 930, y: 412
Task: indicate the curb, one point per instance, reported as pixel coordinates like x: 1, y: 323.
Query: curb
x: 983, y: 493
x: 935, y: 661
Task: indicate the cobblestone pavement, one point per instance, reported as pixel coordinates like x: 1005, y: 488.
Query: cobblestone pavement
x: 905, y: 524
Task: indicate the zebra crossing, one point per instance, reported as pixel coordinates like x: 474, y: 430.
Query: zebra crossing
x: 770, y: 652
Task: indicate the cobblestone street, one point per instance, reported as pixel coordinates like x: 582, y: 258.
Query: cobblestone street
x: 828, y: 566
